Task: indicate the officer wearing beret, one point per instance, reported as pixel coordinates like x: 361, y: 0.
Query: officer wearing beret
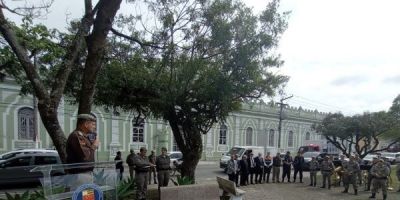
x: 79, y: 148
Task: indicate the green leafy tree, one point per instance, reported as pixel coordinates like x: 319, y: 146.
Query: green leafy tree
x: 48, y: 77
x: 199, y: 62
x: 358, y: 133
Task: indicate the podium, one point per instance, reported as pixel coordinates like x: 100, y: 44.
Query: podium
x: 80, y: 181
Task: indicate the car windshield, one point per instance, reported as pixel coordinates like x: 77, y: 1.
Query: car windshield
x: 310, y: 154
x: 236, y: 150
x: 175, y: 155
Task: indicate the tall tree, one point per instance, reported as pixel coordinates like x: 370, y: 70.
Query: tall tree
x: 93, y: 30
x: 359, y: 133
x: 203, y: 59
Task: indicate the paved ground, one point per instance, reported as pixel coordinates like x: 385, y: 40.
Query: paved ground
x: 298, y: 191
x: 207, y: 171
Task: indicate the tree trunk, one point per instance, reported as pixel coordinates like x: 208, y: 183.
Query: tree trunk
x: 190, y: 143
x: 96, y: 43
x: 48, y: 114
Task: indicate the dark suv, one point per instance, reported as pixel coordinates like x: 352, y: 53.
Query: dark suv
x: 17, y: 169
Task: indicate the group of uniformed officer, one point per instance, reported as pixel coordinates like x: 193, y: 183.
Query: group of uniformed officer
x: 144, y: 166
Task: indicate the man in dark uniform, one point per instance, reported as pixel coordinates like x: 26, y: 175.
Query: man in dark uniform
x: 287, y: 163
x: 129, y: 160
x: 259, y: 167
x: 252, y: 167
x: 79, y: 148
x: 244, y: 171
x: 163, y: 168
x: 298, y: 164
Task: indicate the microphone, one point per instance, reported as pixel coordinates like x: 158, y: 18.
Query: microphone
x: 92, y: 136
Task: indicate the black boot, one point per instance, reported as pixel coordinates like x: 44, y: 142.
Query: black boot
x: 310, y: 184
x: 323, y: 186
x: 355, y: 192
x: 315, y: 184
x: 384, y: 196
x: 345, y: 190
x: 372, y: 196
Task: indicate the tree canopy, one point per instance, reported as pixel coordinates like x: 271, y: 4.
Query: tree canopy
x: 362, y: 133
x: 203, y: 60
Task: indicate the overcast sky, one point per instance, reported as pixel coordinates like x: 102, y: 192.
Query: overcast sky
x: 341, y: 55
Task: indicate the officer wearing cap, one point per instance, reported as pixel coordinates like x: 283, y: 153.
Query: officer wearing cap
x: 79, y: 148
x: 379, y: 172
x: 374, y: 161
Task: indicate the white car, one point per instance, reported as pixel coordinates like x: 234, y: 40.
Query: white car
x: 391, y: 156
x: 12, y: 154
x: 175, y: 156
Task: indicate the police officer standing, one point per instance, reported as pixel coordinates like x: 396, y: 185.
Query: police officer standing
x: 130, y: 161
x: 351, y: 173
x: 252, y: 169
x: 327, y: 168
x: 374, y: 161
x: 314, y: 165
x: 142, y: 172
x: 163, y: 168
x: 298, y: 164
x: 379, y: 173
x: 287, y: 164
x: 152, y: 160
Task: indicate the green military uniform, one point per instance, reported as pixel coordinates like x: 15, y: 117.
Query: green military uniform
x: 379, y: 173
x: 163, y: 170
x: 142, y: 174
x: 351, y: 170
x: 130, y: 159
x: 398, y: 173
x: 313, y: 172
x: 327, y: 168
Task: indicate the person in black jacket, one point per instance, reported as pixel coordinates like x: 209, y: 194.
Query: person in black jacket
x: 298, y: 165
x: 252, y: 167
x: 259, y: 167
x: 276, y: 167
x: 119, y: 165
x: 244, y: 171
x: 286, y: 167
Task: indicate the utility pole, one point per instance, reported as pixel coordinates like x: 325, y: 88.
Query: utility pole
x: 281, y: 104
x: 35, y: 111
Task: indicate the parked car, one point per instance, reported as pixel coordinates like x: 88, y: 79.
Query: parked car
x: 16, y: 170
x: 11, y: 154
x: 175, y: 156
x: 368, y: 159
x: 391, y: 156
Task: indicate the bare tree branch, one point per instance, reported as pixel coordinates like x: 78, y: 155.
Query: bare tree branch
x: 133, y: 39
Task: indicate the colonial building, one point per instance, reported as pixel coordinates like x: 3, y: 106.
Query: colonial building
x: 254, y: 125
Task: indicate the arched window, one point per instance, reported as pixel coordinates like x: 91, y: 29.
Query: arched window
x: 271, y: 138
x: 222, y: 134
x: 290, y: 139
x: 308, y: 136
x: 249, y: 136
x: 138, y: 130
x: 26, y: 124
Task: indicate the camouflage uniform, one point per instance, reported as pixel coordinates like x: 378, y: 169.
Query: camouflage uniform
x: 313, y: 172
x: 343, y: 175
x: 351, y: 172
x: 398, y: 173
x: 327, y: 168
x: 379, y: 173
x: 163, y: 170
